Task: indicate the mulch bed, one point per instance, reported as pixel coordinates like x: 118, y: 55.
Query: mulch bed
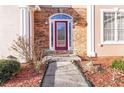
x: 27, y: 77
x: 104, y: 78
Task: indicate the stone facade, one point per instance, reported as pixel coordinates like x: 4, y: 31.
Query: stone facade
x: 41, y: 27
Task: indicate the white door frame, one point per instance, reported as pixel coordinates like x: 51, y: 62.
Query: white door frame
x: 70, y: 47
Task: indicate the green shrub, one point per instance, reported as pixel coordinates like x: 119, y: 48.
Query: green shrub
x: 8, y: 68
x: 118, y: 64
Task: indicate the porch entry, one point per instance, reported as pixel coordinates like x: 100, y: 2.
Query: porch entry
x: 61, y: 35
x: 61, y: 32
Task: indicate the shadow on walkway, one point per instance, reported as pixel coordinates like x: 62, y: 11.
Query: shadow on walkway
x: 49, y: 78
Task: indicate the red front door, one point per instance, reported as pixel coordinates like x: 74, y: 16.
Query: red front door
x: 61, y: 35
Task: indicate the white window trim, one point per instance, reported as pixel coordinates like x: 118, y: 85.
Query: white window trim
x: 53, y: 20
x: 102, y: 31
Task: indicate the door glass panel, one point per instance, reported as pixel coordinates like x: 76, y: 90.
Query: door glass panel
x: 61, y: 34
x: 70, y: 34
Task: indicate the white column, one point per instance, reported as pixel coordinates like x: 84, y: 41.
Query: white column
x: 24, y: 21
x: 31, y: 29
x: 90, y: 31
x: 24, y: 25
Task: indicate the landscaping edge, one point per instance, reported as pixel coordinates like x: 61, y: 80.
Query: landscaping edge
x: 46, y: 67
x: 78, y: 65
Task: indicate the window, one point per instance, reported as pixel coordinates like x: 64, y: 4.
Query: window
x: 120, y: 21
x: 113, y: 27
x: 109, y: 24
x: 61, y: 16
x: 70, y: 30
x: 51, y: 34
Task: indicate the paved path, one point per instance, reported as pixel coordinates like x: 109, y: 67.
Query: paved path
x: 63, y: 74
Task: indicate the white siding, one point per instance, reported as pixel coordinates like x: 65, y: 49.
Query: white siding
x: 9, y: 28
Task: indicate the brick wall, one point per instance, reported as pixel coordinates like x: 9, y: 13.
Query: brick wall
x: 41, y: 27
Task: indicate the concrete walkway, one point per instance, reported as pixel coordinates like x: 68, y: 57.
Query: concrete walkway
x: 63, y: 74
